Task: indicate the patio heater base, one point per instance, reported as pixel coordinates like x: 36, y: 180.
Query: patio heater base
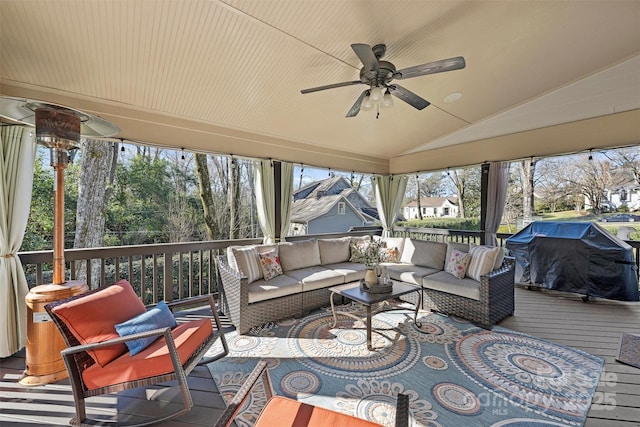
x: 44, y: 343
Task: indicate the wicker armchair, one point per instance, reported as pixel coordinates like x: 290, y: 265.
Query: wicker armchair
x: 496, y: 298
x: 174, y: 356
x: 234, y: 298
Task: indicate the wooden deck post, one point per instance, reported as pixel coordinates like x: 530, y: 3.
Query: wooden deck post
x: 484, y: 183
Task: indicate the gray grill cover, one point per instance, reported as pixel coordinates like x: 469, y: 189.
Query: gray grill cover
x: 578, y: 257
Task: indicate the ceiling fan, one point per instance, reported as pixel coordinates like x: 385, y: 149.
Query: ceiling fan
x: 378, y: 75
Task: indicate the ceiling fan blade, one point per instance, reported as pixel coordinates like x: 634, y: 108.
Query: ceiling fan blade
x: 355, y: 109
x: 408, y: 97
x: 366, y: 55
x: 431, y: 68
x: 319, y: 88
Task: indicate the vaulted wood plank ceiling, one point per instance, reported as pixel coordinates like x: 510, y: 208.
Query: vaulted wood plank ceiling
x: 224, y: 76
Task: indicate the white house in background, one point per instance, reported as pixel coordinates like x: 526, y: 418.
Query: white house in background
x: 623, y: 195
x: 432, y: 207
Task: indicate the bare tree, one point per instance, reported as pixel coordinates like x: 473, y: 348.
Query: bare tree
x: 527, y: 172
x: 206, y: 195
x: 234, y: 199
x: 97, y: 171
x: 627, y: 160
x: 459, y: 179
x: 180, y: 224
x: 418, y: 197
x: 590, y: 179
x: 553, y: 186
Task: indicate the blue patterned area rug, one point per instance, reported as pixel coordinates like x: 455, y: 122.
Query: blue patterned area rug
x: 455, y: 373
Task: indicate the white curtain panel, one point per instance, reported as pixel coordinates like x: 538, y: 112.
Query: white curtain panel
x: 17, y: 155
x: 286, y: 175
x: 265, y: 198
x: 496, y: 196
x: 389, y: 191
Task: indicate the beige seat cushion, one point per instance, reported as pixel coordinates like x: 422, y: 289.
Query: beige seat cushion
x: 316, y: 277
x: 445, y: 282
x: 408, y: 272
x: 279, y: 286
x: 351, y: 271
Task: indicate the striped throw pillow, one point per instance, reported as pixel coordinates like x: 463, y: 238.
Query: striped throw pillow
x: 248, y: 262
x: 482, y: 260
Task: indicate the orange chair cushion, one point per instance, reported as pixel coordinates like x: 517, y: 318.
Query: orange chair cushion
x: 153, y: 360
x: 283, y: 412
x: 93, y: 318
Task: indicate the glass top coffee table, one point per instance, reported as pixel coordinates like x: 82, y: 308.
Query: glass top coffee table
x: 368, y: 299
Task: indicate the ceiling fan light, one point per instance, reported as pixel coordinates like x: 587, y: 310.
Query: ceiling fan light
x: 367, y: 105
x: 387, y: 100
x: 376, y: 94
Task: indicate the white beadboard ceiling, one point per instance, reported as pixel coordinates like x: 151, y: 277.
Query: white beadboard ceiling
x: 224, y: 76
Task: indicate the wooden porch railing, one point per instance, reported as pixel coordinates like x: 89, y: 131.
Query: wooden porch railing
x: 444, y: 235
x: 191, y: 270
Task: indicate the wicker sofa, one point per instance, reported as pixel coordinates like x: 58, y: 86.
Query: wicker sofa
x: 311, y: 267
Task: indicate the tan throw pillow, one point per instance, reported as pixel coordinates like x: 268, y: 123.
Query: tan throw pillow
x: 248, y: 262
x: 457, y: 263
x: 270, y: 264
x: 482, y: 260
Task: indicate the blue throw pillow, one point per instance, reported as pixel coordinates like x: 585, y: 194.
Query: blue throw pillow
x: 155, y: 318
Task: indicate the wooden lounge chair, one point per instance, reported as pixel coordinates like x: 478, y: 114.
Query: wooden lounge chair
x: 284, y: 412
x: 99, y: 362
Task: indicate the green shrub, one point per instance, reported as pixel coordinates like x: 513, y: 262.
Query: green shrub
x: 446, y: 223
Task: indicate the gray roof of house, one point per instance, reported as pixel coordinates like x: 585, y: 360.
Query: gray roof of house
x: 317, y: 198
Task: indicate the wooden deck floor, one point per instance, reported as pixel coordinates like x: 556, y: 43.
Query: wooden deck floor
x: 594, y: 327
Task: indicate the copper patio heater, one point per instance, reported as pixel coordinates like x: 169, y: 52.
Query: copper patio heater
x: 57, y: 128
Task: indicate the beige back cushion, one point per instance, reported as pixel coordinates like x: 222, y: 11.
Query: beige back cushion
x: 333, y: 251
x: 424, y: 253
x: 302, y: 254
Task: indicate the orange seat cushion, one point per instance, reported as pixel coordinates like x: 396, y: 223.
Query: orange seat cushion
x: 283, y: 412
x: 153, y: 360
x: 93, y: 318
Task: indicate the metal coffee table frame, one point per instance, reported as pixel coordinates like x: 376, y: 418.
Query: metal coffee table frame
x: 355, y: 293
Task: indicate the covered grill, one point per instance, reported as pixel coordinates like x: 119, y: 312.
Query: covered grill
x: 578, y: 257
